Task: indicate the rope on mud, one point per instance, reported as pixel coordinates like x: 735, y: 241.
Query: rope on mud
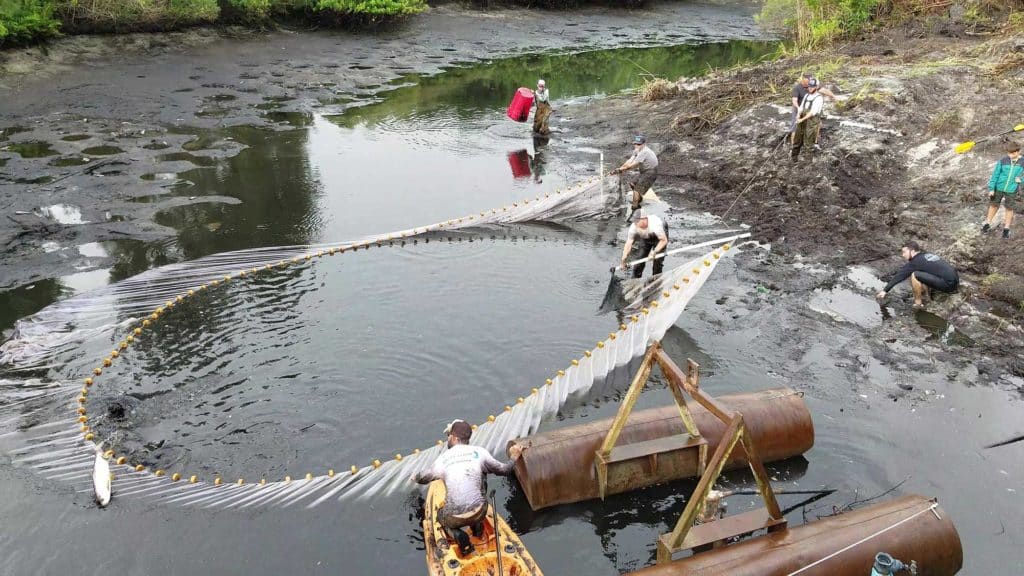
x: 752, y: 178
x: 64, y: 455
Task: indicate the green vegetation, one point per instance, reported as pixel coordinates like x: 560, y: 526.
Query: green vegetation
x: 23, y: 21
x: 817, y: 23
x: 27, y: 21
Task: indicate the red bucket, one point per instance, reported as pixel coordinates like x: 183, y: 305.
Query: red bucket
x: 519, y: 108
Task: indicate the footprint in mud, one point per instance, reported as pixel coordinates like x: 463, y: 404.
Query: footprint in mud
x: 70, y: 161
x: 184, y: 89
x: 360, y: 67
x: 106, y: 150
x: 248, y: 76
x: 76, y: 137
x: 221, y: 98
x: 154, y: 145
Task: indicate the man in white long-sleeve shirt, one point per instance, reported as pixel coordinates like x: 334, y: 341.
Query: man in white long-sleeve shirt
x: 463, y: 467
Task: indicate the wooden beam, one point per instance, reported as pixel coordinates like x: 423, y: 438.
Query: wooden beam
x: 667, y: 546
x: 675, y: 375
x: 629, y: 400
x: 764, y: 485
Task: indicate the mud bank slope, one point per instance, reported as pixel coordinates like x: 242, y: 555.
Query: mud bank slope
x: 887, y: 170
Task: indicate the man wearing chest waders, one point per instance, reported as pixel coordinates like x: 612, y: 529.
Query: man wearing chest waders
x: 646, y: 161
x: 462, y: 468
x: 925, y: 271
x: 652, y: 233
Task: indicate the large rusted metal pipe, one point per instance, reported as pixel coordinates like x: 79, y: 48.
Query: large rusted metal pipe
x: 906, y: 528
x: 557, y: 467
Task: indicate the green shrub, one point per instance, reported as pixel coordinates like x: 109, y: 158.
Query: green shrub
x: 368, y: 9
x: 246, y: 11
x: 24, y: 21
x: 134, y: 15
x: 817, y: 22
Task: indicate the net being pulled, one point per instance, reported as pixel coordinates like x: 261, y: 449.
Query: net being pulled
x: 58, y: 449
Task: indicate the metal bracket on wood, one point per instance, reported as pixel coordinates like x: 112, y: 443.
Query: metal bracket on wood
x: 604, y: 456
x: 687, y: 537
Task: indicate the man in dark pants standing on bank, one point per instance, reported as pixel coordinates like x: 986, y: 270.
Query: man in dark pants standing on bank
x: 646, y: 161
x: 925, y: 271
x: 652, y: 233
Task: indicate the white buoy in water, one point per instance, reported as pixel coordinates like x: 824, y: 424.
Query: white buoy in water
x: 101, y: 478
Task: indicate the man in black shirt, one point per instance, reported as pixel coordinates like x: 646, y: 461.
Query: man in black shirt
x: 925, y: 271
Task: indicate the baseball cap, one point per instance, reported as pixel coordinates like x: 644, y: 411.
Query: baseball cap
x: 812, y: 83
x: 459, y: 428
x: 639, y: 215
x: 639, y: 139
x: 540, y: 83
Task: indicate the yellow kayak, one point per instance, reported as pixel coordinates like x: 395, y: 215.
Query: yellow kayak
x: 445, y: 559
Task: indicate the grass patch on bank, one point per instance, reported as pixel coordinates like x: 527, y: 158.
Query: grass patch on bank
x: 28, y: 21
x: 815, y: 24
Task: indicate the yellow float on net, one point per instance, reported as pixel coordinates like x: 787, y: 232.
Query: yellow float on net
x: 115, y: 353
x: 549, y: 381
x: 88, y: 381
x: 330, y: 473
x: 240, y: 481
x: 122, y: 460
x: 107, y: 362
x: 217, y: 481
x: 193, y: 479
x: 575, y: 362
x: 158, y: 473
x: 81, y: 409
x: 97, y: 371
x: 89, y: 436
x: 355, y: 470
x: 376, y: 463
x: 175, y: 477
x: 309, y: 475
x: 490, y: 418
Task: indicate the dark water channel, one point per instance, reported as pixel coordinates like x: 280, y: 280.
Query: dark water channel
x: 368, y: 355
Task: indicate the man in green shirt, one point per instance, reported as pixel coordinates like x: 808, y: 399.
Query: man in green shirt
x: 1002, y: 188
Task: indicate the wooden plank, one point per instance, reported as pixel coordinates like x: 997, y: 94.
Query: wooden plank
x: 714, y: 469
x: 635, y: 388
x: 635, y: 450
x: 728, y: 527
x: 677, y: 377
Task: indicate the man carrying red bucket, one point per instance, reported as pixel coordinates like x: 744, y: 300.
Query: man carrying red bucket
x: 525, y: 99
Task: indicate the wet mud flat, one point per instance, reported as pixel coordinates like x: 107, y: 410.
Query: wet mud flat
x: 102, y: 127
x: 916, y: 394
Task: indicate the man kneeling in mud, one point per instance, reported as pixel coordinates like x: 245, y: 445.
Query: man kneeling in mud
x: 925, y: 271
x: 462, y: 468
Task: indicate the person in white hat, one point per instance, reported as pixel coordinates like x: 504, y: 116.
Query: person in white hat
x: 463, y: 467
x: 541, y: 98
x: 652, y: 233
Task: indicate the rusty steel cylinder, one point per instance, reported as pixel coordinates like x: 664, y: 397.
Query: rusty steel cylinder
x: 557, y: 467
x: 845, y: 545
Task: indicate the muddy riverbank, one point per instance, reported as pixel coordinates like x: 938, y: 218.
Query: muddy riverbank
x: 101, y: 127
x: 887, y: 171
x: 898, y: 398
